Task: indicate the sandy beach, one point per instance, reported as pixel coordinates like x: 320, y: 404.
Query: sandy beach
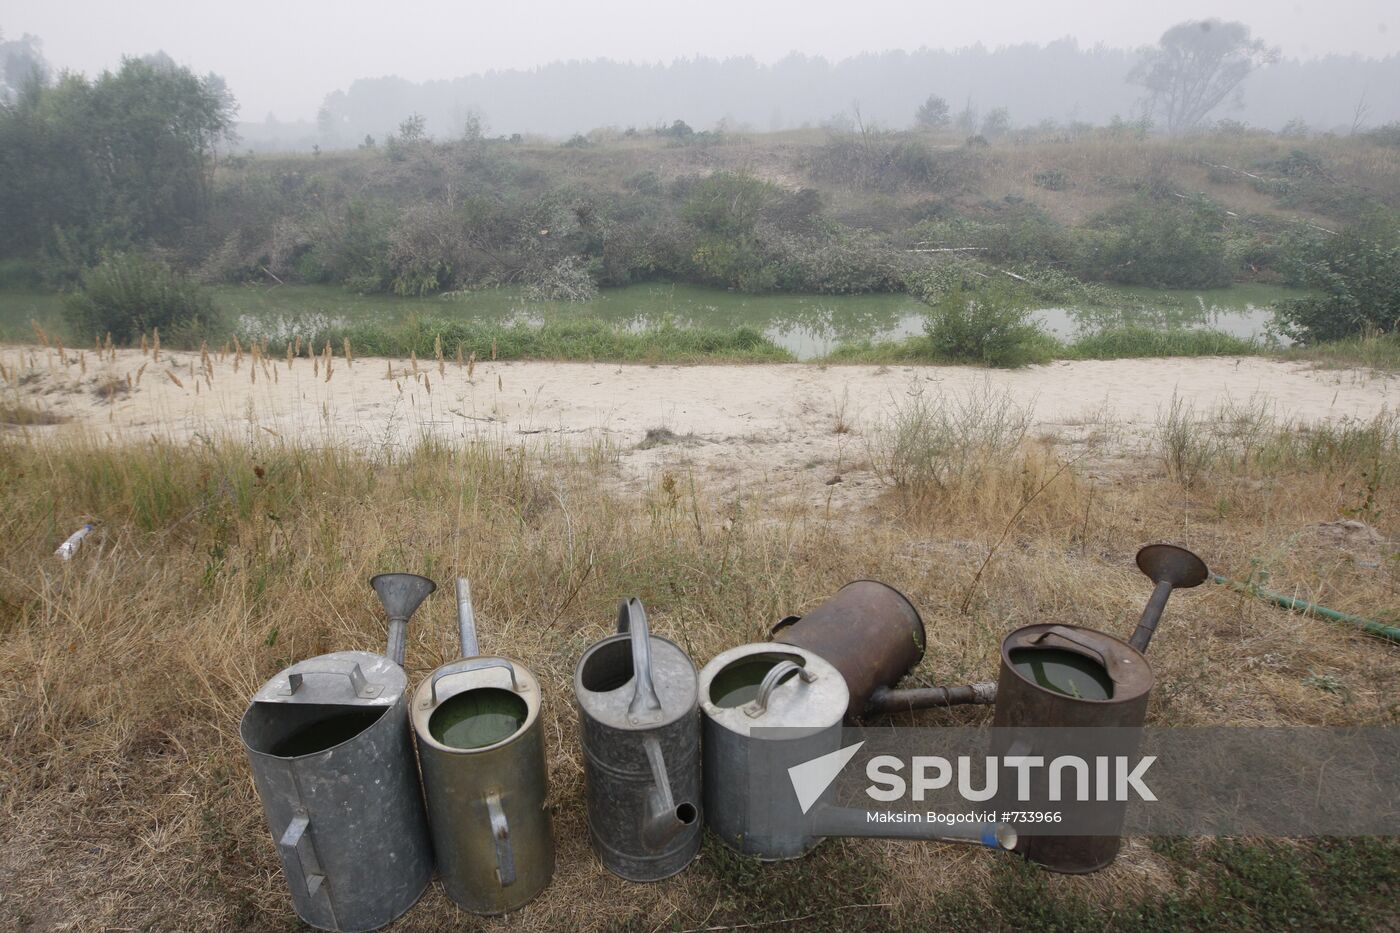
x: 793, y: 428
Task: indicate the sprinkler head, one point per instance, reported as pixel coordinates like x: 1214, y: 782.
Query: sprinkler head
x: 401, y: 592
x: 1167, y: 563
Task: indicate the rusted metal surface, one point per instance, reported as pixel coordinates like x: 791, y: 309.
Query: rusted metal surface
x: 1169, y: 567
x: 869, y: 631
x: 885, y: 700
x: 1021, y: 702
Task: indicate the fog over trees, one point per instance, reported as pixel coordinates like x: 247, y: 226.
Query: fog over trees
x: 1060, y: 82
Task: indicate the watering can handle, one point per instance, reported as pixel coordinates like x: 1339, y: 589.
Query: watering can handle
x: 500, y: 835
x: 296, y: 849
x: 645, y: 706
x: 363, y: 688
x: 780, y: 671
x: 471, y: 664
x: 1068, y: 634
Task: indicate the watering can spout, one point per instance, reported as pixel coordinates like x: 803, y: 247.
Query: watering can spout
x: 664, y: 819
x: 1169, y: 567
x: 400, y: 594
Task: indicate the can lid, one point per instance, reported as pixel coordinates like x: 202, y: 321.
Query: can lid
x: 772, y: 685
x: 605, y: 682
x: 342, y: 678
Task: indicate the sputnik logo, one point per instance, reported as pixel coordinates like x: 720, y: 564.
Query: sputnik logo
x: 811, y: 778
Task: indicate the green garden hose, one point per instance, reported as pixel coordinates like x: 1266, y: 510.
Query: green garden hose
x: 1369, y: 626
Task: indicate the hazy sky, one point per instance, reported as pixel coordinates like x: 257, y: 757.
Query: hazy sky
x: 286, y: 56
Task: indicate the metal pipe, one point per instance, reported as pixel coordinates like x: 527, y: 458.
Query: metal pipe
x: 1369, y: 626
x: 886, y: 700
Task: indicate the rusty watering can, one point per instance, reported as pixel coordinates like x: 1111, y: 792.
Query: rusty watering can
x: 328, y: 742
x: 481, y: 747
x: 1068, y: 676
x: 873, y: 635
x: 639, y: 724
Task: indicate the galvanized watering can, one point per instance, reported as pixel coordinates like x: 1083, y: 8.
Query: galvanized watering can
x: 329, y: 746
x: 755, y: 686
x: 1068, y: 676
x: 481, y: 747
x: 749, y: 802
x: 640, y: 729
x: 873, y: 635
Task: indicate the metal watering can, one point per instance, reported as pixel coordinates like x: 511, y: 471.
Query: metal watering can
x: 873, y: 635
x: 1068, y: 676
x: 329, y: 746
x: 481, y: 747
x: 640, y: 729
x: 748, y: 801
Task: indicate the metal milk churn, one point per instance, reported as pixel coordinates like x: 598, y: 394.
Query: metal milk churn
x: 329, y: 746
x: 640, y: 730
x: 1065, y: 676
x: 481, y: 747
x: 752, y: 687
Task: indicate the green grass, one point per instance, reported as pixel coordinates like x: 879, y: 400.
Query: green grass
x: 1113, y: 344
x: 576, y: 339
x: 1133, y: 342
x: 1373, y: 351
x: 1221, y: 884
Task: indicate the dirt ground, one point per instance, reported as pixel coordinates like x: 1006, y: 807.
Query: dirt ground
x: 799, y: 433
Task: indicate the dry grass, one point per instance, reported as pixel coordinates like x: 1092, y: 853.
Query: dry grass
x: 127, y: 801
x: 21, y: 414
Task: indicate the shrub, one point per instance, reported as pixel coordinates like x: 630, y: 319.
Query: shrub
x: 988, y: 326
x: 127, y: 294
x: 1359, y: 277
x: 933, y: 443
x: 1158, y: 242
x: 566, y: 280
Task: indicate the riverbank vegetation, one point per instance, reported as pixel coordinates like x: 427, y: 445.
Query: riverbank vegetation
x: 850, y: 209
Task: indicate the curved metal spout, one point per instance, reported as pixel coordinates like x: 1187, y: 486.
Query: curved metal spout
x: 664, y: 819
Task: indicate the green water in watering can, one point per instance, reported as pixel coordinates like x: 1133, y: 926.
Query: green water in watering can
x: 738, y: 683
x: 1063, y: 672
x: 478, y: 718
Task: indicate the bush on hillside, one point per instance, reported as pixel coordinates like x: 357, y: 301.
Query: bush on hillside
x: 1159, y: 242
